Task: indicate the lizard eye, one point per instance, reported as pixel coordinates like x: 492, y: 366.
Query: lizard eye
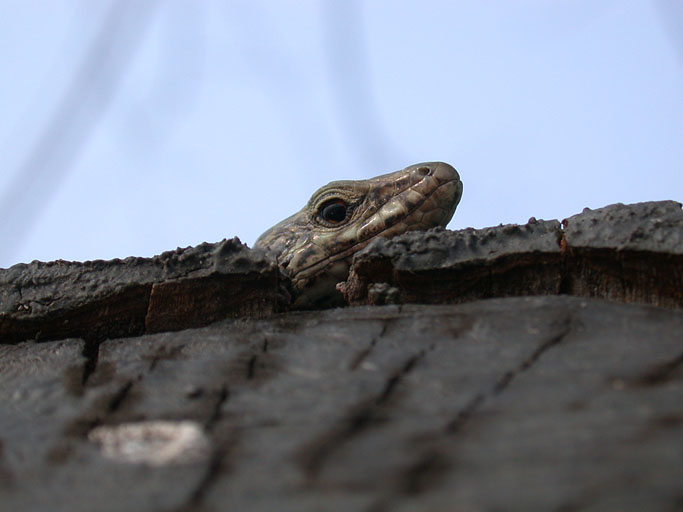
x: 333, y: 211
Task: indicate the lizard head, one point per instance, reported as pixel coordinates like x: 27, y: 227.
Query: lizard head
x: 314, y: 247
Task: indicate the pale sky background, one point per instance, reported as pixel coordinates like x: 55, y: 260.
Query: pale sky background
x: 134, y: 127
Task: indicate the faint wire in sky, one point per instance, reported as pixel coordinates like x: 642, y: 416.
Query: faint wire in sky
x: 179, y: 70
x: 282, y: 75
x: 671, y: 14
x: 349, y: 70
x: 67, y: 131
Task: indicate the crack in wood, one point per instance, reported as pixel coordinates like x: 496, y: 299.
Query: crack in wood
x: 164, y: 353
x: 397, y: 377
x: 359, y: 419
x: 91, y: 352
x: 509, y: 376
x: 98, y: 414
x: 216, y: 414
x: 463, y: 416
x: 659, y: 374
x: 214, y: 469
x: 119, y: 397
x: 217, y: 463
x: 423, y: 473
x: 363, y: 354
x: 429, y: 467
x: 251, y: 366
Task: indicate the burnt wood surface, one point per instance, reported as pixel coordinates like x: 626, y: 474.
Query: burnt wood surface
x: 628, y: 253
x: 181, y: 382
x: 544, y: 403
x: 104, y: 299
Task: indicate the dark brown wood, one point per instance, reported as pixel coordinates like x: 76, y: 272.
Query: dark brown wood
x: 627, y: 253
x: 526, y: 402
x: 104, y: 299
x: 546, y: 403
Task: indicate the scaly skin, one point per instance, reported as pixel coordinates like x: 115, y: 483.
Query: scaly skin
x: 316, y: 253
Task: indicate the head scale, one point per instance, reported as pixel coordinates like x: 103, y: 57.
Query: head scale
x: 314, y: 247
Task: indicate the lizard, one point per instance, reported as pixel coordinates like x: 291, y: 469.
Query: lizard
x: 314, y: 246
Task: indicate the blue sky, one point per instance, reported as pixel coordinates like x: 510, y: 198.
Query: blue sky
x: 130, y: 128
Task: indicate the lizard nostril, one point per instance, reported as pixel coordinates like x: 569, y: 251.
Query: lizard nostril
x: 423, y: 171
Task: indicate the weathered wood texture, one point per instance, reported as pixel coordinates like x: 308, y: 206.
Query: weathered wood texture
x: 103, y: 299
x: 546, y: 403
x: 629, y: 253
